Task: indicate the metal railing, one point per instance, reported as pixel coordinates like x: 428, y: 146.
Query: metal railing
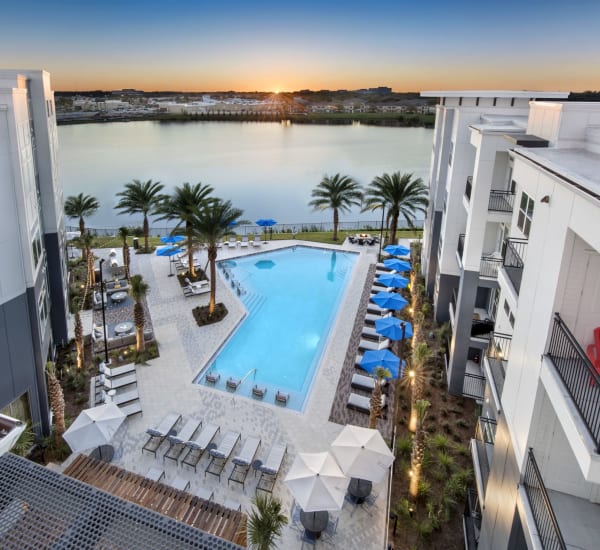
x: 485, y: 437
x: 513, y: 260
x: 461, y: 245
x: 497, y: 355
x: 474, y: 386
x: 488, y: 267
x: 472, y: 519
x: 541, y: 507
x: 453, y: 300
x: 501, y: 201
x: 469, y: 187
x: 578, y: 375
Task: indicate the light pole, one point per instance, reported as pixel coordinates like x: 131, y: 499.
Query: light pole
x: 381, y: 230
x: 106, y: 359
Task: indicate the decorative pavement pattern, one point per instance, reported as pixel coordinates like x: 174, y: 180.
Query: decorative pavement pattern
x: 166, y: 385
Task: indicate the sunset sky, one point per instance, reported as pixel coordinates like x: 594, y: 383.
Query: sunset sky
x: 280, y: 46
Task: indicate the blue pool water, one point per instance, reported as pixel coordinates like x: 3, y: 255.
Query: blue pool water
x: 292, y: 297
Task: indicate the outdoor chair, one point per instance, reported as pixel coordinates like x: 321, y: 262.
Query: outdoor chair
x: 197, y: 284
x: 366, y: 383
x: 155, y: 474
x: 177, y: 441
x: 220, y: 455
x: 374, y: 344
x: 232, y: 505
x: 114, y: 372
x: 270, y: 467
x: 244, y: 242
x: 158, y: 434
x: 199, y: 444
x: 371, y: 334
x: 232, y: 242
x: 120, y: 398
x: 190, y: 290
x: 243, y: 461
x: 295, y: 517
x: 374, y: 308
x: 309, y: 538
x: 205, y: 494
x: 118, y: 381
x: 363, y: 404
x: 330, y: 530
x: 256, y: 241
x: 180, y: 483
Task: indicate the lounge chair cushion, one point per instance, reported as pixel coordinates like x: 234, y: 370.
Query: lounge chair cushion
x: 362, y: 403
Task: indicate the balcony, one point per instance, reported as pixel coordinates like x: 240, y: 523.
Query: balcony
x: 541, y: 507
x: 578, y: 375
x: 473, y: 382
x: 489, y: 266
x: 461, y: 245
x: 10, y: 430
x: 501, y: 201
x: 482, y: 449
x: 471, y: 520
x: 469, y: 187
x: 513, y: 257
x: 496, y: 359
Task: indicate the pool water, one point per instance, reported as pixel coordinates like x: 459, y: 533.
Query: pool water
x: 292, y: 296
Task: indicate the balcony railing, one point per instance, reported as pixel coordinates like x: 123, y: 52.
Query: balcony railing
x: 469, y: 187
x: 461, y: 245
x: 485, y: 436
x: 578, y: 375
x: 501, y: 201
x: 489, y: 266
x: 497, y: 354
x: 472, y: 520
x: 513, y: 258
x: 453, y: 300
x: 543, y: 514
x: 474, y: 386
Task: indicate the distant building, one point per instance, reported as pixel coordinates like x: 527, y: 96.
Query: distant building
x: 33, y: 274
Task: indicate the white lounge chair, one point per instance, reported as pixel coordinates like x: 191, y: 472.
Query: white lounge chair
x: 198, y: 284
x: 256, y: 241
x: 244, y: 242
x: 367, y: 383
x: 370, y: 318
x: 177, y: 441
x: 180, y: 483
x: 119, y: 381
x: 189, y: 290
x: 198, y: 445
x: 221, y: 454
x: 155, y: 474
x: 372, y: 334
x: 113, y: 372
x: 362, y: 403
x: 232, y: 242
x: 243, y: 461
x: 270, y: 467
x: 158, y: 434
x: 374, y: 308
x: 374, y: 345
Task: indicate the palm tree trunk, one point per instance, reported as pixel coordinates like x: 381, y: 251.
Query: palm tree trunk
x: 393, y: 229
x: 212, y: 256
x: 81, y: 226
x: 375, y: 406
x: 79, y: 340
x: 190, y: 245
x: 57, y: 402
x: 138, y: 317
x: 146, y: 231
x: 336, y: 221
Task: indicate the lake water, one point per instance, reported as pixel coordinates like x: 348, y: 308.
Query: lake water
x: 266, y: 169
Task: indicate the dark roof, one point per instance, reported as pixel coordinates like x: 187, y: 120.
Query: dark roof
x: 527, y: 140
x: 40, y: 508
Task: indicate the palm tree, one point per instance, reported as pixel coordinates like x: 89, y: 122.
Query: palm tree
x: 418, y: 450
x: 57, y: 401
x: 401, y: 194
x: 141, y: 197
x: 265, y: 522
x: 79, y: 340
x: 211, y: 223
x: 139, y: 289
x: 375, y: 403
x: 123, y: 234
x: 340, y: 193
x: 182, y: 205
x: 80, y: 206
x: 419, y: 375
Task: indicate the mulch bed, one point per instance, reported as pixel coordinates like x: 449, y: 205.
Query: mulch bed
x: 203, y: 317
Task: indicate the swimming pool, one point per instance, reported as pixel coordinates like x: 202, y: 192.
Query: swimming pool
x: 292, y: 297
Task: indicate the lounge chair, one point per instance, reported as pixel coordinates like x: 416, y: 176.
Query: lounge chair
x: 243, y: 461
x: 190, y: 290
x: 155, y: 474
x: 199, y: 444
x: 232, y: 242
x: 180, y: 483
x: 281, y: 397
x: 370, y: 318
x: 374, y: 308
x: 256, y: 241
x: 158, y: 434
x: 119, y: 381
x: 372, y: 334
x: 366, y: 383
x: 120, y: 398
x: 197, y: 284
x: 244, y: 242
x: 221, y: 454
x: 177, y: 441
x: 373, y: 344
x: 114, y: 372
x: 232, y: 505
x: 205, y: 494
x: 269, y: 470
x: 362, y: 403
x: 131, y: 408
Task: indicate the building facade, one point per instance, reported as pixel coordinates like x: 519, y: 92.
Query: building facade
x: 33, y: 274
x: 523, y: 231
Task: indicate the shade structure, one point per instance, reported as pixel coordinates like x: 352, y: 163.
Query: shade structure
x: 389, y: 300
x: 168, y: 251
x: 362, y: 453
x: 393, y: 281
x: 397, y: 265
x: 170, y: 239
x: 393, y: 328
x: 372, y: 359
x: 317, y: 482
x: 396, y: 368
x: 94, y: 427
x: 265, y: 222
x: 397, y: 250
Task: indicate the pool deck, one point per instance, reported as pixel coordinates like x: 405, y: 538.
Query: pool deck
x: 166, y: 385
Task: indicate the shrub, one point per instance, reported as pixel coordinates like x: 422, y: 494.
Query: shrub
x: 462, y: 423
x: 425, y: 528
x: 403, y: 447
x: 440, y: 442
x: 446, y: 427
x: 403, y: 508
x: 423, y: 488
x: 461, y: 449
x: 445, y: 460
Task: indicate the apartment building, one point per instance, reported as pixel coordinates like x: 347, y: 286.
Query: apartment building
x: 523, y: 231
x: 33, y: 274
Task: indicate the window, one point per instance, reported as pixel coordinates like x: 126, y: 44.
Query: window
x: 36, y: 246
x: 511, y: 320
x: 506, y: 308
x: 525, y: 214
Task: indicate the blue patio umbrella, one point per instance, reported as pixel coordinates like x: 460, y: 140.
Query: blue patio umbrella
x: 397, y: 265
x: 389, y: 300
x: 393, y: 281
x: 391, y: 327
x: 397, y: 250
x: 382, y: 358
x: 265, y: 222
x: 170, y: 239
x: 168, y: 251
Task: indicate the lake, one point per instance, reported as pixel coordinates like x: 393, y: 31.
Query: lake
x: 266, y: 169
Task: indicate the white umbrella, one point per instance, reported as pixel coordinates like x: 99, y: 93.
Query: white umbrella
x: 94, y: 427
x: 362, y: 453
x: 317, y: 483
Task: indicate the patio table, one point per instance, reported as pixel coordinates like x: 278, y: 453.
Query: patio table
x: 124, y: 328
x: 314, y: 522
x: 118, y: 296
x: 360, y: 489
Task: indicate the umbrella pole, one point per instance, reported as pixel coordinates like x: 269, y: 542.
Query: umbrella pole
x: 170, y: 267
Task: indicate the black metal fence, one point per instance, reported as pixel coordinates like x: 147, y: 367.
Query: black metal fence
x: 541, y: 507
x: 501, y: 201
x: 461, y: 245
x: 474, y: 386
x: 488, y: 267
x: 469, y: 187
x: 578, y: 375
x: 513, y: 260
x: 472, y: 519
